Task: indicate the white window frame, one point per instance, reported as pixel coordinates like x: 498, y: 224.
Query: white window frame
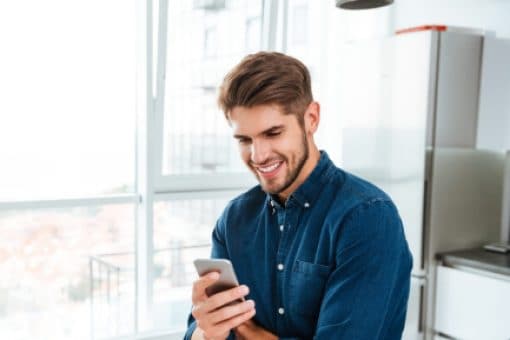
x: 69, y: 202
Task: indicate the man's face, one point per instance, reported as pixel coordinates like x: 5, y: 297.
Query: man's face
x: 273, y: 145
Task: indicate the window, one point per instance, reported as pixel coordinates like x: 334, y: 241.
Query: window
x: 68, y: 98
x: 299, y: 20
x: 253, y: 34
x: 56, y: 264
x: 67, y: 149
x: 199, y: 157
x: 203, y: 43
x: 70, y: 202
x: 182, y: 233
x: 210, y: 42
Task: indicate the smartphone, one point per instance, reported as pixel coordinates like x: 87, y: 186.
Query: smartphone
x: 227, y: 278
x: 498, y: 247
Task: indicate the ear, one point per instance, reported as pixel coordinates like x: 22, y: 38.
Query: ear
x: 312, y: 117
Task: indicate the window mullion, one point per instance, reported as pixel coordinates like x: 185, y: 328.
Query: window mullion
x: 144, y: 247
x: 159, y: 107
x: 69, y: 202
x: 269, y: 22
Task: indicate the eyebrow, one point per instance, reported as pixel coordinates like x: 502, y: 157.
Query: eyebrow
x: 272, y: 129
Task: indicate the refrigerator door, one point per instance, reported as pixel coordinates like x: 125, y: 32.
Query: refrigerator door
x: 384, y: 104
x: 494, y: 120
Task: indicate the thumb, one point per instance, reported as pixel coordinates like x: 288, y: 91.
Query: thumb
x: 198, y: 292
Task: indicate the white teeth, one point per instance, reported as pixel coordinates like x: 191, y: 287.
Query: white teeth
x: 269, y: 168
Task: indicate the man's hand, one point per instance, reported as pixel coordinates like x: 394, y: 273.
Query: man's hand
x: 249, y: 330
x: 213, y: 316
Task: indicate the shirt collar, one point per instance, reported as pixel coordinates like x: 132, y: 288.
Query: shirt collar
x: 307, y: 193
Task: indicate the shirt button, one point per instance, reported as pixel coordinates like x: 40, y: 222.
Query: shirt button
x: 281, y: 227
x: 280, y: 266
x: 307, y: 205
x: 281, y: 311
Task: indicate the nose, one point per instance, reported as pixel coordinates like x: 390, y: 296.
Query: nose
x: 260, y: 151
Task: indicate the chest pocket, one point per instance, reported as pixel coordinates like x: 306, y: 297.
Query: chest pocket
x: 307, y: 287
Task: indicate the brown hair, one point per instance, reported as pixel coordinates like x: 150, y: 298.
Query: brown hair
x: 267, y: 78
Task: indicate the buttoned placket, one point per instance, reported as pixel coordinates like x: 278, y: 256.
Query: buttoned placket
x: 281, y: 255
x: 286, y: 221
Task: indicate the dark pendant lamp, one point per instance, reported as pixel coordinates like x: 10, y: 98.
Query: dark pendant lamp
x: 362, y: 4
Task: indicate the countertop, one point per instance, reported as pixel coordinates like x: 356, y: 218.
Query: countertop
x: 477, y: 258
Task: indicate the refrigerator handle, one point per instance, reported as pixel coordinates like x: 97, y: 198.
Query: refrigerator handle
x: 422, y: 281
x: 420, y: 314
x: 424, y: 222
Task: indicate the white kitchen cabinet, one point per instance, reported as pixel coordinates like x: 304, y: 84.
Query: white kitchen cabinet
x: 472, y: 304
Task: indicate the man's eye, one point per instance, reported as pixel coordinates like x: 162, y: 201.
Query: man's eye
x: 243, y: 140
x: 273, y: 134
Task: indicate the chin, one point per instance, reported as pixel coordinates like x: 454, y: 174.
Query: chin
x: 273, y: 190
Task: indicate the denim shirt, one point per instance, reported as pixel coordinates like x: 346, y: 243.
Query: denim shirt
x: 332, y: 263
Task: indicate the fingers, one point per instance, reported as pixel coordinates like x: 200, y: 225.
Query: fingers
x: 236, y: 321
x: 211, y: 304
x: 224, y: 327
x: 225, y: 297
x: 230, y: 311
x: 208, y: 320
x: 199, y: 286
x: 216, y: 315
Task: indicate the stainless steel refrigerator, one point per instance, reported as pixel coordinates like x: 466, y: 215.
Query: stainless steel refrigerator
x: 407, y: 106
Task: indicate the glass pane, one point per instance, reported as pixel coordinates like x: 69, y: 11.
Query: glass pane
x: 307, y: 29
x: 67, y: 273
x: 205, y: 40
x: 68, y: 98
x: 182, y: 233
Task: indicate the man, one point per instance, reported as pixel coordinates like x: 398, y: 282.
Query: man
x: 319, y: 252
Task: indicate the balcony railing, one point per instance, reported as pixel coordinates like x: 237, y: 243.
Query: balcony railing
x: 112, y: 288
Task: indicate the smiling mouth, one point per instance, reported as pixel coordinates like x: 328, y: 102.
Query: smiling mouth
x: 269, y: 170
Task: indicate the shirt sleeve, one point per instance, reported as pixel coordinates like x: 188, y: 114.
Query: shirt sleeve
x: 218, y: 251
x: 366, y: 294
x: 191, y: 328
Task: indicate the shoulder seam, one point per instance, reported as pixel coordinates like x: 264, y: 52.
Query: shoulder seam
x: 367, y: 202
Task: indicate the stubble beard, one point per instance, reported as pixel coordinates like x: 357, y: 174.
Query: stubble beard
x: 293, y: 174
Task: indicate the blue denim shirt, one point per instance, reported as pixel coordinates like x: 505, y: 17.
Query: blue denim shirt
x: 333, y: 263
